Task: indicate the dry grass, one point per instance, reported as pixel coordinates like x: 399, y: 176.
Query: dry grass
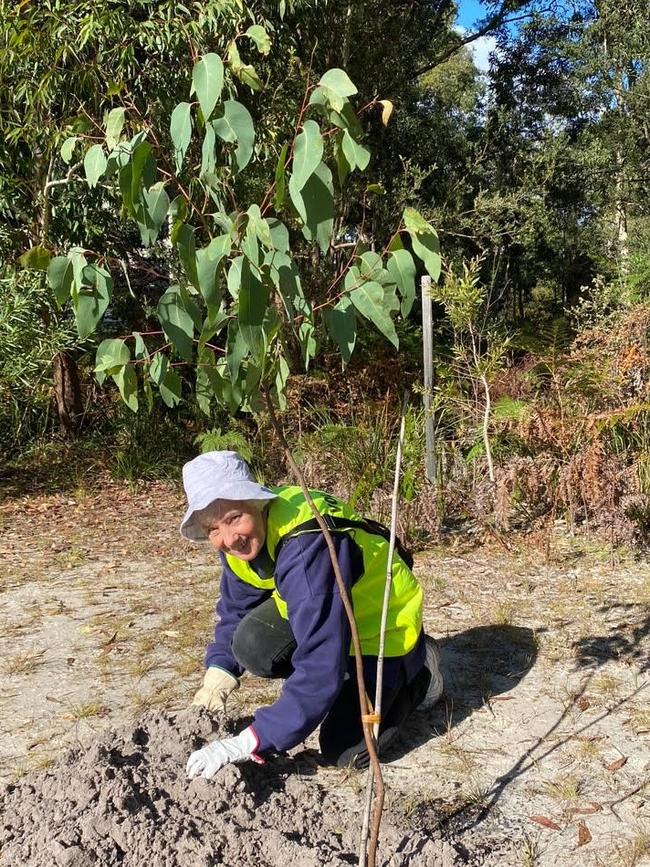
x: 530, y: 852
x: 85, y: 711
x: 588, y: 748
x: 474, y: 794
x: 633, y: 852
x: 567, y: 790
x: 24, y: 662
x: 640, y: 720
x: 606, y: 684
x: 503, y: 613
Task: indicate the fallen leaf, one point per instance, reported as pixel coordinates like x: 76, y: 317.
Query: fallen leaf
x: 586, y: 811
x: 583, y: 702
x: 545, y: 823
x: 584, y: 834
x: 614, y: 766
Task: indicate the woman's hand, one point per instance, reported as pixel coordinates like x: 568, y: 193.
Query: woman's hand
x: 217, y: 686
x: 207, y: 761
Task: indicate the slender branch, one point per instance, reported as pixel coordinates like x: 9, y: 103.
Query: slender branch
x: 380, y: 657
x: 491, y: 24
x: 347, y: 605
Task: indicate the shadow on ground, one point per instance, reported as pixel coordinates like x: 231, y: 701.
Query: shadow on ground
x: 627, y: 640
x: 478, y: 665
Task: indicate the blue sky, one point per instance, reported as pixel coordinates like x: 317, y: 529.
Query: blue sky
x: 469, y: 11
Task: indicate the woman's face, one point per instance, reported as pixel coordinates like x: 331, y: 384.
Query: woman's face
x: 237, y: 528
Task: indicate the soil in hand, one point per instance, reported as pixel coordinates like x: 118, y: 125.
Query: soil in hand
x: 126, y: 800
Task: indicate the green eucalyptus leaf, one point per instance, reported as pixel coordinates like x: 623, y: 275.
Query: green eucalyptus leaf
x: 213, y: 324
x: 247, y: 74
x: 280, y: 179
x: 60, y: 274
x: 180, y: 130
x: 206, y: 268
x: 371, y: 266
x: 67, y: 149
x: 236, y: 125
x: 237, y: 349
x: 155, y: 206
x: 208, y: 155
x: 307, y: 340
x: 207, y: 79
x: 176, y: 322
x: 158, y: 367
x: 315, y: 206
x: 281, y: 379
x: 191, y: 307
x: 114, y: 126
x: 140, y: 346
x: 355, y: 154
x: 79, y: 262
x: 415, y: 222
x: 234, y: 276
x: 111, y: 355
x: 91, y: 298
x: 186, y: 246
x: 370, y: 301
x: 401, y: 268
x: 143, y: 170
x: 250, y: 247
x: 203, y: 389
x: 253, y: 300
x: 260, y: 37
x: 307, y: 154
x: 279, y: 235
x: 259, y: 225
x: 171, y: 388
x: 424, y: 240
x: 341, y: 323
x: 427, y: 248
x: 94, y: 164
x: 36, y: 259
x: 343, y: 167
x: 127, y: 382
x: 337, y: 86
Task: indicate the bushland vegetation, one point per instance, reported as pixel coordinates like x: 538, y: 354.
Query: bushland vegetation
x: 534, y: 172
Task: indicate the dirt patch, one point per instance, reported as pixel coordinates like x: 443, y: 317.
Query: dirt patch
x: 537, y: 756
x: 127, y: 801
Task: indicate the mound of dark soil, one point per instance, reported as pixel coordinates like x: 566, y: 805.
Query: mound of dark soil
x: 126, y: 801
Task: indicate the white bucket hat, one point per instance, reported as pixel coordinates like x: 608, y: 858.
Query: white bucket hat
x: 216, y: 476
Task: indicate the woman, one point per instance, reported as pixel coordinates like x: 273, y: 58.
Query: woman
x: 281, y: 615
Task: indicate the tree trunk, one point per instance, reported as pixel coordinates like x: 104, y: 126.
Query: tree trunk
x: 67, y: 393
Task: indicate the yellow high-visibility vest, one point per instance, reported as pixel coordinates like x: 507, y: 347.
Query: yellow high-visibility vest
x: 289, y: 515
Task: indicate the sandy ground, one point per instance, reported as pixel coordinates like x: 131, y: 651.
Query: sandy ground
x: 537, y: 754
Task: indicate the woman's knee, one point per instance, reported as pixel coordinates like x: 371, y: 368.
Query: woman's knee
x: 248, y: 650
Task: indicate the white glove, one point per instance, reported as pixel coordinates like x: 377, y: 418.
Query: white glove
x: 207, y: 761
x: 217, y: 686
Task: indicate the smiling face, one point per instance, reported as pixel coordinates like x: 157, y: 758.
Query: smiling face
x: 236, y: 527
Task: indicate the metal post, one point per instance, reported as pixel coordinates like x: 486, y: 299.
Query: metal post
x: 427, y: 353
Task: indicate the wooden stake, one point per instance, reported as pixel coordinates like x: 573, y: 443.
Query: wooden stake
x: 427, y: 357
